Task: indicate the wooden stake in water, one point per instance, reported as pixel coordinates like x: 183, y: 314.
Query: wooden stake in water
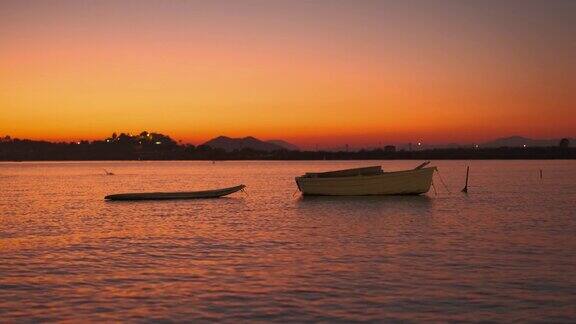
x: 540, y: 174
x: 465, y: 190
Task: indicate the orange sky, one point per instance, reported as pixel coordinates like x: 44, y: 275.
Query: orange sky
x: 316, y: 72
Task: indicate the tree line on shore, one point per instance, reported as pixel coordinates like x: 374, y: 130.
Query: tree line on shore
x: 155, y: 146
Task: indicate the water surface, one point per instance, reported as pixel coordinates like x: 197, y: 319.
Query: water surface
x: 506, y: 251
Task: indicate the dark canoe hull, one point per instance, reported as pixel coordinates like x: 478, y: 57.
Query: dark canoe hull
x: 176, y: 195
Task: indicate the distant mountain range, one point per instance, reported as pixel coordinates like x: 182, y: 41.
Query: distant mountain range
x: 284, y: 144
x: 230, y: 144
x: 519, y: 141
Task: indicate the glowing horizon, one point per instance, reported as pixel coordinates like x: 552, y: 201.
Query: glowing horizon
x: 319, y: 72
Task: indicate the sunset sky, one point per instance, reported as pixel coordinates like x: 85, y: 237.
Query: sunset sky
x: 310, y: 72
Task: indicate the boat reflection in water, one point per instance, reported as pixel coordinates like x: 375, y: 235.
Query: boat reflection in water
x: 345, y: 206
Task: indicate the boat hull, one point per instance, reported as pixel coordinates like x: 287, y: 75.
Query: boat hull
x: 176, y: 195
x: 409, y: 182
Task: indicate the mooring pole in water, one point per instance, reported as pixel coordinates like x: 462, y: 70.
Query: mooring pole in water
x: 540, y: 174
x: 465, y: 190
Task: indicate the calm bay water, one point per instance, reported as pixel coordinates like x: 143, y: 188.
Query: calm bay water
x: 506, y: 251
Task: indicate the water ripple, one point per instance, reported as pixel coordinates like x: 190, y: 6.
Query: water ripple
x: 504, y: 252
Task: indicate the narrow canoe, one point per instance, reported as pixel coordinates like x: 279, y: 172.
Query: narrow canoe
x: 176, y: 195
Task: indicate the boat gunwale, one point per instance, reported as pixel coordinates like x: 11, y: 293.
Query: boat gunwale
x: 366, y: 177
x: 369, y: 170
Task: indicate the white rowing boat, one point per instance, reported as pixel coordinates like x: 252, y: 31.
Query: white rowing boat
x: 367, y: 181
x: 176, y: 195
